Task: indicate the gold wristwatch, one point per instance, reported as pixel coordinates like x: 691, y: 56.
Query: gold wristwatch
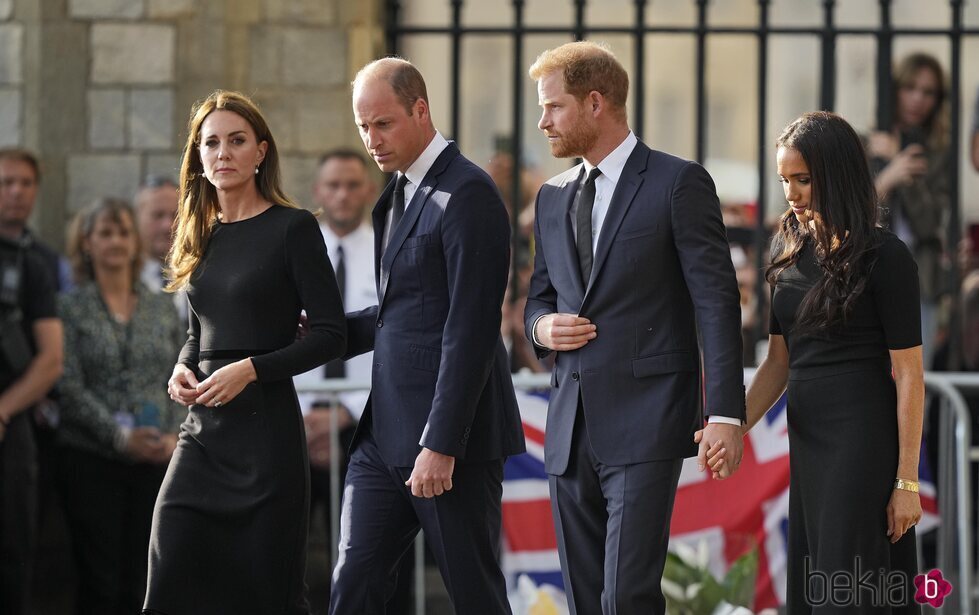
x: 906, y: 485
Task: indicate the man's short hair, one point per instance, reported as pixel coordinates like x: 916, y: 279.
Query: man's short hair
x: 157, y: 181
x: 342, y: 153
x: 586, y: 67
x: 406, y: 80
x: 22, y: 155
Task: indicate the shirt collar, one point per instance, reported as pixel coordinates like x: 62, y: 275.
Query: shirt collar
x: 333, y: 240
x: 612, y: 165
x: 421, y: 166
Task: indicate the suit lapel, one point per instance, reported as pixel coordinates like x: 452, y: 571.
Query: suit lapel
x: 379, y: 218
x: 622, y: 197
x: 411, y: 215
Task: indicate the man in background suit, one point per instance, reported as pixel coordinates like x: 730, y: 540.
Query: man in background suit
x: 156, y: 208
x: 442, y: 416
x: 631, y: 263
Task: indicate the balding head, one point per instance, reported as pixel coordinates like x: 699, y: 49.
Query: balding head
x: 390, y: 106
x: 406, y: 81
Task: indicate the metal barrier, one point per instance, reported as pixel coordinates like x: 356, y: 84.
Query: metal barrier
x: 955, y: 506
x: 955, y: 534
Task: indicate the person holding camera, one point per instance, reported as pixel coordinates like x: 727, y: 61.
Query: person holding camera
x: 910, y: 159
x: 30, y: 363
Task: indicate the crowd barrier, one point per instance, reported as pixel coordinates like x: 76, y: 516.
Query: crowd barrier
x: 956, y: 454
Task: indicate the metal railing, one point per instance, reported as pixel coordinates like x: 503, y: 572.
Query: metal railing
x: 827, y: 31
x: 956, y: 530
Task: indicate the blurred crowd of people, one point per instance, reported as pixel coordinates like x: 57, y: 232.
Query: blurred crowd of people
x: 89, y: 339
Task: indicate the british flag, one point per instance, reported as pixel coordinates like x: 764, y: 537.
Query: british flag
x: 754, y: 512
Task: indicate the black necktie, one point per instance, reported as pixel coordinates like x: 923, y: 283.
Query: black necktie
x: 583, y: 238
x: 337, y: 368
x: 341, y: 272
x: 398, y: 202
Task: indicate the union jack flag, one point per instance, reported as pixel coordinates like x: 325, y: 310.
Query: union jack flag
x: 754, y: 511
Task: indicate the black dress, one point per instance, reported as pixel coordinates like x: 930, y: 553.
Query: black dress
x: 229, y: 528
x: 843, y: 438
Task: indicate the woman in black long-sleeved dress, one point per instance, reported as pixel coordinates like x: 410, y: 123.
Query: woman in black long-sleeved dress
x: 846, y: 343
x: 229, y: 528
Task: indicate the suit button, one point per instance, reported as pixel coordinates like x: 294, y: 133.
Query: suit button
x: 380, y: 323
x: 574, y: 376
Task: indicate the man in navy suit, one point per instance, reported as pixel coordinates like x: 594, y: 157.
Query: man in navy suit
x: 632, y: 264
x: 442, y: 416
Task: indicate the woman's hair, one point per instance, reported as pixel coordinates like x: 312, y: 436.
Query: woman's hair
x: 935, y: 126
x: 198, y: 207
x: 81, y: 228
x: 844, y: 203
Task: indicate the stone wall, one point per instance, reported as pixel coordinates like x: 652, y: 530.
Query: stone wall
x: 102, y: 89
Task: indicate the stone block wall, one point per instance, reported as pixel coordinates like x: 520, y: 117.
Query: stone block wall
x: 102, y: 90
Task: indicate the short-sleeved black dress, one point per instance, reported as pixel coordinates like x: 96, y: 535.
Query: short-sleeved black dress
x: 229, y: 528
x: 843, y: 436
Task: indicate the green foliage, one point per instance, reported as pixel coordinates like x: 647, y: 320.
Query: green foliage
x: 691, y: 589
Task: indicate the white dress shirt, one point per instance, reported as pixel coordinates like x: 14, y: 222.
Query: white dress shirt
x: 360, y: 292
x: 152, y: 278
x: 415, y: 174
x: 611, y: 167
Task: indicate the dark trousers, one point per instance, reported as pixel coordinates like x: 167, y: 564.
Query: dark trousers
x: 18, y: 515
x: 109, y: 508
x: 613, y: 529
x: 381, y: 518
x: 321, y: 493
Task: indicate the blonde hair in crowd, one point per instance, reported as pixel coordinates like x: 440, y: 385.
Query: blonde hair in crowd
x: 586, y: 67
x: 198, y: 207
x: 81, y: 228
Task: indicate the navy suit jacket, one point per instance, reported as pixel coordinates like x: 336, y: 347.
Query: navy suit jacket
x: 441, y: 376
x: 662, y: 274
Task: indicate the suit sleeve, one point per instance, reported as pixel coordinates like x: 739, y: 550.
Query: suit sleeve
x: 476, y: 246
x: 541, y: 295
x: 705, y: 258
x: 361, y: 327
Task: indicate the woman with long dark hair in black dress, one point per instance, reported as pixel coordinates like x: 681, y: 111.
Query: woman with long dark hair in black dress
x: 846, y: 343
x: 229, y: 529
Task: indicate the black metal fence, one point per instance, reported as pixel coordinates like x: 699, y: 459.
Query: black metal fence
x: 828, y: 33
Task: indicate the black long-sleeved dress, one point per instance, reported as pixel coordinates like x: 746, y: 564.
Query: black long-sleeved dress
x: 843, y: 438
x: 229, y: 528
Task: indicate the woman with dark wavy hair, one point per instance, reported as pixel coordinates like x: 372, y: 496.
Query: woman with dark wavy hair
x: 846, y: 343
x: 229, y: 529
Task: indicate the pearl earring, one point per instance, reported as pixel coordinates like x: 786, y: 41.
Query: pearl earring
x: 256, y: 170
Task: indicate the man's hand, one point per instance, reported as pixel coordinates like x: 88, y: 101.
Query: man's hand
x: 721, y: 447
x: 432, y: 474
x: 563, y: 332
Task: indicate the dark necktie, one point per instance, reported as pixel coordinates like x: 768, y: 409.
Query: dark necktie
x: 583, y: 239
x: 398, y: 202
x: 337, y: 368
x: 341, y: 272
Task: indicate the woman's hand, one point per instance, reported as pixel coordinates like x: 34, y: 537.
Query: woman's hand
x: 226, y: 383
x: 144, y: 445
x: 906, y: 166
x: 903, y: 512
x: 182, y: 385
